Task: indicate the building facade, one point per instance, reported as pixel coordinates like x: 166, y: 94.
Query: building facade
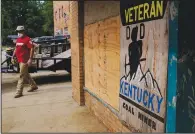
x: 124, y: 64
x: 61, y: 12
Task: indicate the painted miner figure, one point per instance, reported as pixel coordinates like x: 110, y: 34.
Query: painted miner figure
x: 134, y: 52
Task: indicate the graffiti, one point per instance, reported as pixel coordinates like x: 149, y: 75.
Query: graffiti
x: 191, y: 107
x: 186, y: 92
x: 66, y: 17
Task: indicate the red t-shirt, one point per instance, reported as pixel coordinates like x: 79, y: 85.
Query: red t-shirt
x: 23, y: 46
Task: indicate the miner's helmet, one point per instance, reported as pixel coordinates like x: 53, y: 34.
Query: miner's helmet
x: 20, y: 28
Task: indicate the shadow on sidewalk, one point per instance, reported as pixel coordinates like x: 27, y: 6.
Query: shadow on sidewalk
x: 40, y: 80
x: 52, y: 79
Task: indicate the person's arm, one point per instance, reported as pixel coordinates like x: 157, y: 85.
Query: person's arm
x: 31, y: 56
x: 35, y: 44
x: 14, y: 53
x: 31, y: 52
x: 31, y: 46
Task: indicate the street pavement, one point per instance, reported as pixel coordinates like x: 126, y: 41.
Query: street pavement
x: 50, y: 109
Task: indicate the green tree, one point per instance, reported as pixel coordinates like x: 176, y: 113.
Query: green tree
x: 47, y: 13
x: 37, y: 17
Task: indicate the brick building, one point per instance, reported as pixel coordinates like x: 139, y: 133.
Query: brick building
x: 102, y: 34
x: 61, y: 12
x: 89, y: 28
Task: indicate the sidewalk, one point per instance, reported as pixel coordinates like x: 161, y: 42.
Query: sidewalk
x: 50, y: 109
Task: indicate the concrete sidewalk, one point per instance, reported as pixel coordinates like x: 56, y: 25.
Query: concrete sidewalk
x: 50, y: 109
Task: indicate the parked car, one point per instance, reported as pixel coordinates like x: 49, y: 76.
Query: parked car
x: 37, y: 39
x: 47, y: 38
x: 43, y: 39
x: 66, y: 37
x: 62, y: 36
x: 10, y: 40
x: 59, y: 37
x: 12, y: 36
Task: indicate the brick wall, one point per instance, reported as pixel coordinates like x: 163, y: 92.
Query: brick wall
x: 76, y: 14
x: 61, y: 20
x: 105, y: 115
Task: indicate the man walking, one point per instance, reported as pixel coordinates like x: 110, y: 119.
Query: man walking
x: 24, y: 52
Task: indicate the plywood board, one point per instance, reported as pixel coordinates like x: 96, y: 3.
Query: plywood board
x: 102, y: 58
x: 144, y: 57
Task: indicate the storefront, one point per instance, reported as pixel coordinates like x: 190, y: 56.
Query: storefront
x: 125, y: 64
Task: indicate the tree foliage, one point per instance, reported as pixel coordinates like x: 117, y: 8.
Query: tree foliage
x: 47, y: 13
x: 37, y: 17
